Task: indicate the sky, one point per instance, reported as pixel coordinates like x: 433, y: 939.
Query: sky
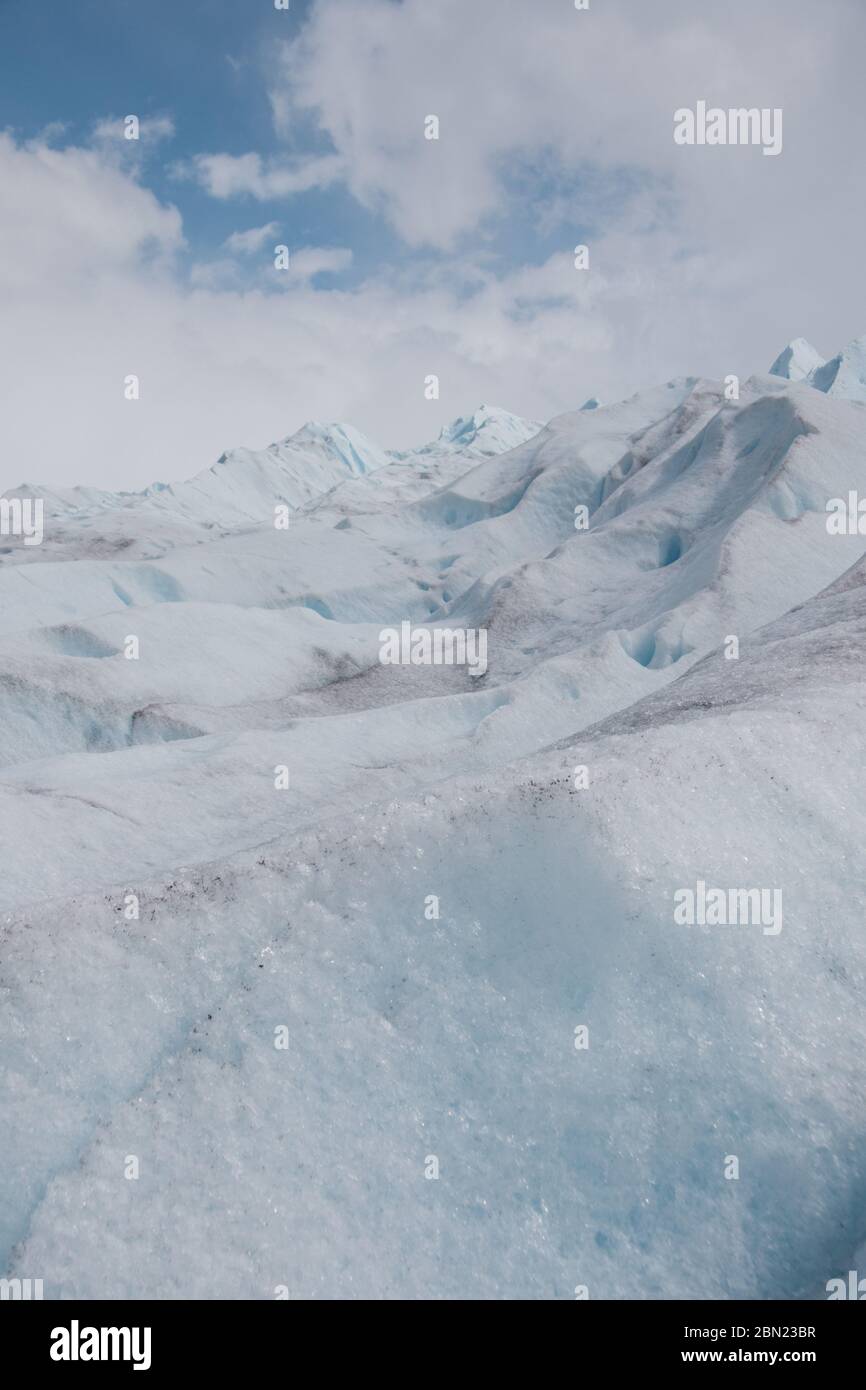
x: 408, y: 257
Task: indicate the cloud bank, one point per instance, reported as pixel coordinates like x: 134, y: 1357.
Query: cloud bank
x: 555, y: 127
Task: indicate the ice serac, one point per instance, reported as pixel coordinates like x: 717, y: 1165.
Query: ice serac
x: 797, y: 360
x: 488, y: 430
x: 844, y: 376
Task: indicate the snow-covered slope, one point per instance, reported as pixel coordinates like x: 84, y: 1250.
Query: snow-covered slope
x: 243, y: 487
x: 462, y: 873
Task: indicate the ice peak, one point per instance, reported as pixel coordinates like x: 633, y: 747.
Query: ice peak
x: 489, y: 429
x: 322, y: 432
x: 340, y: 441
x: 845, y: 374
x: 466, y: 427
x: 797, y: 360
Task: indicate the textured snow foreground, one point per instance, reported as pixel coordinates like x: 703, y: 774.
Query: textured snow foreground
x: 411, y: 1038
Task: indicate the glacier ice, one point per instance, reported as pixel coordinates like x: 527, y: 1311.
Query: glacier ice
x: 456, y: 918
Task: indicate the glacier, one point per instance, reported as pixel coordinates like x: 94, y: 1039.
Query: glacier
x: 331, y: 1088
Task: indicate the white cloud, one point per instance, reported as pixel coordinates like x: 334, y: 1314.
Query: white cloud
x: 716, y: 260
x: 107, y: 136
x: 318, y: 260
x: 228, y: 175
x: 221, y: 273
x: 151, y: 130
x: 67, y: 216
x: 249, y: 242
x: 220, y: 366
x: 514, y: 83
x: 305, y: 263
x: 53, y: 131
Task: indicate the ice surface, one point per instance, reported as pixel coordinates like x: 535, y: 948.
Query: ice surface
x: 409, y: 1036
